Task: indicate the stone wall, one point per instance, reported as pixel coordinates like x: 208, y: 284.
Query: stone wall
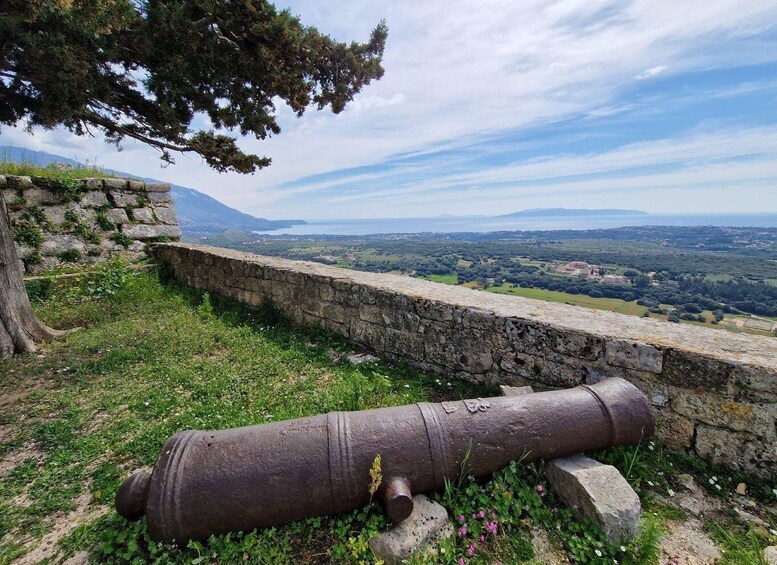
x: 714, y: 391
x: 58, y: 222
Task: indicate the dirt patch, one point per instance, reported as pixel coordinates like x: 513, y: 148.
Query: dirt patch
x: 47, y: 547
x: 685, y: 543
x: 19, y: 456
x: 545, y: 551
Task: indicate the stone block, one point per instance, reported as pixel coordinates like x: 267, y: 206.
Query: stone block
x: 144, y: 215
x: 598, y: 492
x: 739, y: 450
x: 166, y: 216
x: 56, y: 214
x: 117, y: 216
x: 691, y: 370
x: 3, y: 182
x: 721, y: 411
x: 122, y: 198
x: 158, y: 198
x: 115, y: 184
x: 41, y: 197
x: 94, y: 199
x: 136, y: 185
x: 458, y: 350
x: 419, y: 532
x: 142, y: 231
x: 158, y: 187
x: 508, y: 390
x: 674, y: 430
x: 634, y: 355
x: 770, y: 555
x: 59, y: 243
x: 18, y: 182
x: 753, y: 383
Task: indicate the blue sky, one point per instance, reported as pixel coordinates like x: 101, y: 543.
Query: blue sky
x: 488, y: 108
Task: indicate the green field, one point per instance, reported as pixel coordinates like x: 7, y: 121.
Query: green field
x: 611, y: 304
x: 445, y: 279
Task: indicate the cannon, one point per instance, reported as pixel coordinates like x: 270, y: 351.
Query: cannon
x: 210, y: 482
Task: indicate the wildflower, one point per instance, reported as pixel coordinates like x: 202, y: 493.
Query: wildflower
x: 714, y: 478
x: 712, y: 481
x: 461, y: 517
x: 491, y: 528
x: 481, y: 514
x: 463, y: 530
x: 623, y: 548
x: 650, y: 483
x: 651, y: 446
x: 598, y: 553
x: 482, y: 538
x: 670, y: 492
x: 461, y: 561
x: 407, y: 386
x: 471, y: 550
x: 717, y: 487
x: 540, y: 489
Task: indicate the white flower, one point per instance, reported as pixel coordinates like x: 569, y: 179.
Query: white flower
x: 598, y: 553
x: 773, y: 532
x: 407, y: 386
x: 712, y: 481
x: 670, y: 492
x: 650, y: 483
x: 714, y: 478
x: 717, y: 487
x: 623, y: 548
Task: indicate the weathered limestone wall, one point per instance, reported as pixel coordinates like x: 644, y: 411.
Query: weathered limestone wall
x: 57, y: 222
x: 714, y: 391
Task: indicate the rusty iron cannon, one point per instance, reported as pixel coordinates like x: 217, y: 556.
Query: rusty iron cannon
x: 270, y: 474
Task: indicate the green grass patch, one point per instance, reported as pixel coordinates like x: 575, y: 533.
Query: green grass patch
x: 31, y: 169
x: 611, y: 304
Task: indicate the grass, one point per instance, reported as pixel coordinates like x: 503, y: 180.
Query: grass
x: 611, y: 304
x: 153, y: 359
x: 445, y: 279
x: 31, y: 169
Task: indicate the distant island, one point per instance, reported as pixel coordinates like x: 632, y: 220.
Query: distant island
x: 549, y: 212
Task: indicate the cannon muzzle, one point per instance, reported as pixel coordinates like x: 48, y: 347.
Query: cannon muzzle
x: 270, y: 474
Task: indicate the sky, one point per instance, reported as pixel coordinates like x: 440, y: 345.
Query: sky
x: 492, y: 107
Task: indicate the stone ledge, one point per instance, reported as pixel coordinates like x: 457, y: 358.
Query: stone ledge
x: 711, y: 388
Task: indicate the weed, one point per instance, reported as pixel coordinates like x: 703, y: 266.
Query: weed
x: 70, y: 256
x: 121, y: 239
x: 28, y: 234
x: 101, y: 219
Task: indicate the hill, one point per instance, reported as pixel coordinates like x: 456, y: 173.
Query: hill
x: 197, y: 212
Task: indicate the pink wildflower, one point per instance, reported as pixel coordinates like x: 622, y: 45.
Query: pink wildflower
x: 482, y: 538
x: 471, y: 550
x: 540, y: 489
x: 461, y: 517
x: 463, y: 530
x: 491, y: 528
x: 482, y: 514
x: 461, y: 561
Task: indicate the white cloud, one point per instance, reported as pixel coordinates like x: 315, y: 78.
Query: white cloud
x: 651, y: 72
x: 457, y: 70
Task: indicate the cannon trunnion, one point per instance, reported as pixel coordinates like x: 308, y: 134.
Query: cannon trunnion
x: 239, y: 479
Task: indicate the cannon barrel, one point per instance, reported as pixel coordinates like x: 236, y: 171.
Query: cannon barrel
x: 270, y: 474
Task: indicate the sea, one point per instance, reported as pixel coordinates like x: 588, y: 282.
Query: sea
x: 480, y: 224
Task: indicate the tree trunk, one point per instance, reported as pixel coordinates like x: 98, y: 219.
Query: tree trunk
x: 19, y: 328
